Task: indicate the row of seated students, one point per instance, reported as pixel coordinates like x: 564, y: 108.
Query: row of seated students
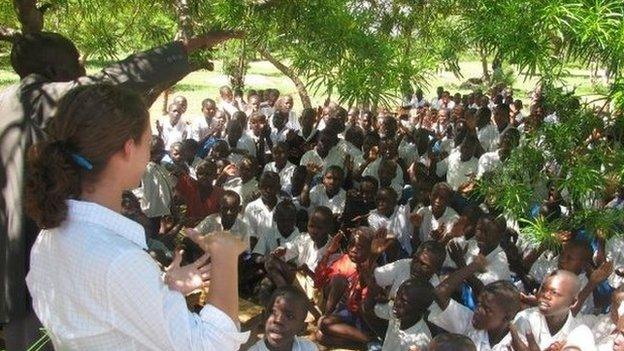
x: 366, y: 225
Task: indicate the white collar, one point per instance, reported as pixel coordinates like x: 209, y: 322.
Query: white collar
x: 90, y: 212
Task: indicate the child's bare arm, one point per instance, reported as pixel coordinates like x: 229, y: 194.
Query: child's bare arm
x: 452, y: 282
x: 596, y: 277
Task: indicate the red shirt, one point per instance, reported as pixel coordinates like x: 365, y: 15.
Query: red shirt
x: 196, y: 208
x: 343, y: 267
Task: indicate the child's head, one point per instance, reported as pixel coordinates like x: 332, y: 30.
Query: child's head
x: 175, y: 112
x: 272, y: 96
x: 280, y: 118
x: 285, y: 217
x: 280, y: 154
x: 484, y: 116
x: 307, y: 118
x: 247, y: 168
x: 284, y: 103
x: 181, y: 102
x: 427, y: 260
x: 189, y: 149
x: 367, y: 120
x: 327, y: 140
x: 558, y: 293
x: 575, y: 256
x: 229, y: 206
x: 359, y: 249
x: 388, y: 148
x: 209, y: 108
x: 298, y: 180
x: 206, y: 173
x: 440, y: 198
x: 257, y: 123
x: 412, y: 300
x: 387, y: 171
x: 387, y: 200
x: 468, y: 147
x: 157, y: 149
x: 226, y: 93
x: 451, y: 342
x: 130, y: 205
x: 388, y: 127
x: 286, y: 314
x: 269, y: 186
x: 220, y: 149
x: 368, y: 189
x: 321, y: 224
x: 176, y: 152
x: 240, y: 117
x: 488, y: 233
x: 497, y: 306
x: 76, y: 156
x: 353, y: 115
x: 253, y: 101
x: 501, y: 115
x: 355, y: 135
x: 333, y: 179
x: 234, y: 131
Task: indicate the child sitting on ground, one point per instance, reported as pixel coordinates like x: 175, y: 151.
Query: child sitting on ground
x: 284, y: 231
x: 394, y: 218
x: 360, y: 201
x: 286, y: 313
x: 488, y: 325
x: 246, y: 184
x: 259, y: 213
x: 329, y: 193
x: 201, y: 196
x: 436, y: 220
x: 407, y: 327
x: 226, y: 219
x: 281, y: 165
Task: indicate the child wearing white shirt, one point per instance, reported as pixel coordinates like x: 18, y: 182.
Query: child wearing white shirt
x: 157, y: 184
x: 281, y: 165
x: 461, y: 165
x: 329, y: 193
x: 488, y: 326
x: 394, y: 218
x: 259, y: 213
x: 436, y: 220
x: 286, y: 312
x: 227, y: 219
x: 284, y: 231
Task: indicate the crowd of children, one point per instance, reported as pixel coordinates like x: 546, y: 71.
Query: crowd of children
x: 361, y: 225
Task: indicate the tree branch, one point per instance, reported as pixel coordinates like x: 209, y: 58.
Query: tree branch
x: 29, y: 15
x: 290, y: 73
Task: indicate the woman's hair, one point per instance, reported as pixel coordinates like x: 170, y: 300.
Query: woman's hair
x: 91, y: 124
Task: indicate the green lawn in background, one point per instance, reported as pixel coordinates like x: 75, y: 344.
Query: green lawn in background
x: 261, y: 75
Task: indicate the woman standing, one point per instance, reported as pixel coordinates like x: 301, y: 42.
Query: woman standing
x: 94, y: 286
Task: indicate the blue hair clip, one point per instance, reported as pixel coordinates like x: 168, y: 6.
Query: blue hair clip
x: 81, y: 161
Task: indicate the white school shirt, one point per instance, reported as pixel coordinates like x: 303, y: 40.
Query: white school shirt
x: 259, y: 218
x: 602, y: 329
x: 300, y: 344
x: 292, y: 123
x: 408, y: 152
x: 418, y: 103
x: 430, y: 223
x: 229, y: 107
x: 456, y: 170
x: 396, y: 273
x: 305, y: 252
x: 274, y: 239
x: 497, y: 268
x: 247, y: 191
x: 285, y: 173
x: 173, y: 134
x: 199, y: 129
x: 488, y: 137
x: 335, y: 157
x: 279, y: 135
x: 318, y: 197
x: 212, y: 223
x: 401, y: 340
x: 457, y: 318
x: 532, y: 319
x: 398, y: 224
x: 397, y: 182
x: 614, y: 249
x: 156, y: 191
x: 94, y: 287
x: 488, y: 162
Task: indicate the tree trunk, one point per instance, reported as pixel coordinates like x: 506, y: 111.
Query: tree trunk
x: 290, y: 73
x: 484, y: 64
x: 29, y: 15
x: 8, y: 34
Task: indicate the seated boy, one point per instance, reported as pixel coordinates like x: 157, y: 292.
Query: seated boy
x: 329, y: 193
x: 552, y: 321
x: 387, y: 151
x: 286, y: 313
x: 245, y: 184
x: 326, y: 152
x: 258, y: 214
x: 461, y: 165
x: 406, y: 315
x: 497, y: 306
x: 360, y: 201
x: 284, y: 231
x: 226, y: 219
x: 395, y: 218
x: 281, y: 165
x: 436, y: 220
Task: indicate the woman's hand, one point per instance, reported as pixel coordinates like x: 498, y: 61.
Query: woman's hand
x: 217, y: 244
x: 185, y: 279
